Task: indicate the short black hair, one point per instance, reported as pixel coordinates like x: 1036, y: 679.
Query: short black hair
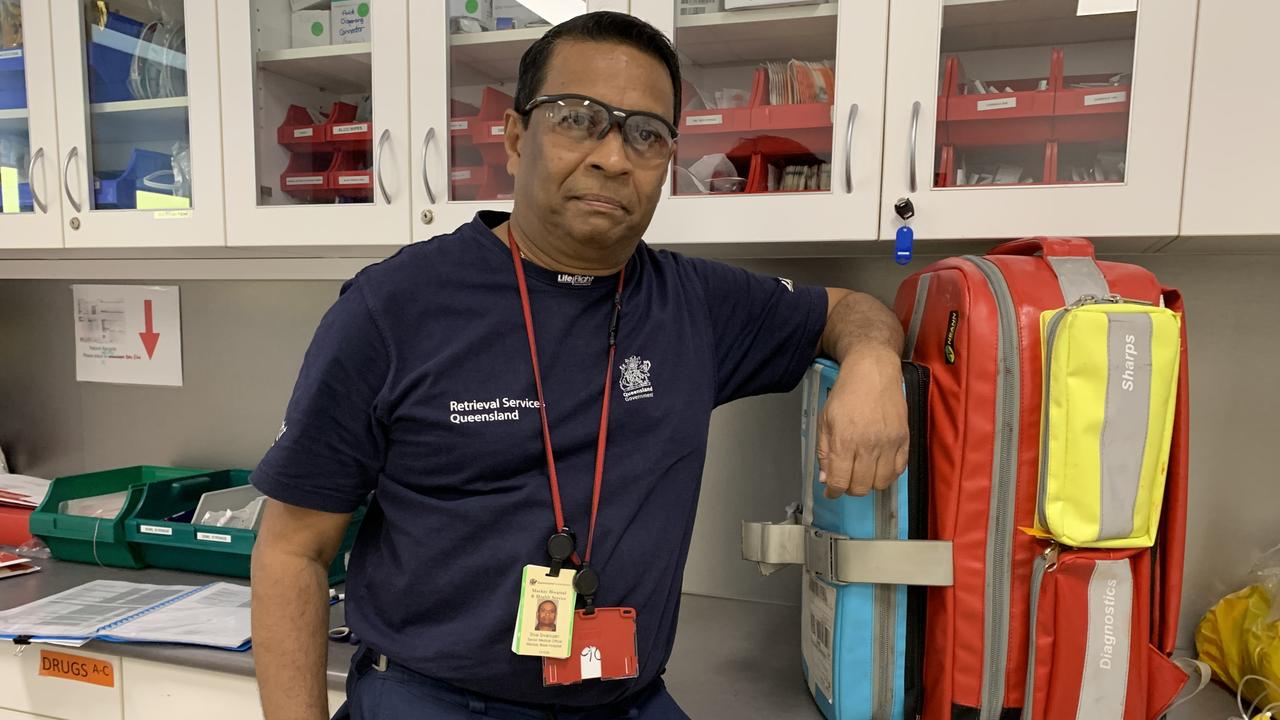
x: 600, y: 26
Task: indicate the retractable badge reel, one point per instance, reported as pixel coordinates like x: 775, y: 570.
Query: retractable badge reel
x: 904, y: 243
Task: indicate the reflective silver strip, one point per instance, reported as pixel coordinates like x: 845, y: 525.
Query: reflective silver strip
x: 1078, y: 276
x: 1123, y: 440
x: 1105, y: 680
x: 917, y: 314
x: 809, y: 465
x: 884, y: 622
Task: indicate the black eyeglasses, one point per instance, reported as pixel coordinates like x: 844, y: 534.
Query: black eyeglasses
x: 583, y: 119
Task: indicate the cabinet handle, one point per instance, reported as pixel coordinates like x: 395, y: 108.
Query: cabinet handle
x: 848, y: 149
x: 382, y: 141
x: 39, y: 202
x: 426, y: 181
x: 66, y: 175
x: 915, y: 131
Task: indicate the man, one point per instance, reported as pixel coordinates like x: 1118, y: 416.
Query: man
x: 423, y: 384
x: 546, y: 616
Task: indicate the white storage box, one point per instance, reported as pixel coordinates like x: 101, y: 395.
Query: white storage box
x: 310, y: 28
x: 309, y: 5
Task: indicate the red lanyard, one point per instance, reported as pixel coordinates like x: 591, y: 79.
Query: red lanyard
x: 542, y: 404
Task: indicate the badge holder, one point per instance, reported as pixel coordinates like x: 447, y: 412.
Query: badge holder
x: 604, y: 648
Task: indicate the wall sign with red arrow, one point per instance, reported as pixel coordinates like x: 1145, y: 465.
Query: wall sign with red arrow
x: 130, y: 334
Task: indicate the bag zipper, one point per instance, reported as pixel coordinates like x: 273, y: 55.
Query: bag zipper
x: 917, y: 527
x: 1004, y: 476
x: 1045, y: 563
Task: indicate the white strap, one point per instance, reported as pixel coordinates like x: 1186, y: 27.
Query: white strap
x: 1198, y: 677
x: 842, y: 560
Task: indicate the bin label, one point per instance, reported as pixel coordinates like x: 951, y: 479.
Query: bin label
x: 1106, y: 98
x: 705, y: 120
x: 1000, y: 104
x: 349, y: 129
x: 213, y: 537
x: 154, y: 530
x: 458, y: 124
x: 304, y: 132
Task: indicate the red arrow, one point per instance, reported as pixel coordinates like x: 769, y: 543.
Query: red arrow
x: 149, y: 338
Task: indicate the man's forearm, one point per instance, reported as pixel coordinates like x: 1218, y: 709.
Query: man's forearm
x: 857, y: 323
x: 290, y: 624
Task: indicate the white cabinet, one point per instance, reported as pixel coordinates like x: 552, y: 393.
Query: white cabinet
x: 30, y: 200
x: 1007, y: 118
x: 156, y: 691
x: 463, y: 81
x: 26, y: 690
x: 315, y: 129
x: 138, y: 123
x: 780, y: 136
x: 1233, y: 142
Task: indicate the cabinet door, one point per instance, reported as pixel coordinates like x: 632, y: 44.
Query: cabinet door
x: 1232, y: 142
x: 780, y: 132
x: 139, y: 125
x: 315, y: 122
x: 1054, y: 117
x: 464, y: 78
x: 30, y: 203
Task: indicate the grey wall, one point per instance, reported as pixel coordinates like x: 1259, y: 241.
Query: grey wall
x: 243, y: 342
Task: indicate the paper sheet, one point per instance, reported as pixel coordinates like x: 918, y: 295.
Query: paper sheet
x: 217, y: 616
x: 22, y: 490
x: 78, y: 613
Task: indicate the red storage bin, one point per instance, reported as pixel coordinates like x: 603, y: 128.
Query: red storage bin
x: 480, y: 182
x: 349, y: 176
x: 14, y: 527
x: 1089, y: 114
x: 1021, y: 117
x: 299, y: 134
x: 306, y: 177
x: 351, y: 136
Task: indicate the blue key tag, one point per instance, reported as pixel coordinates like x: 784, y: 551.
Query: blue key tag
x: 902, y: 247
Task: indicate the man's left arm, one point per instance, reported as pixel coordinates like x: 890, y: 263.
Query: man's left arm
x: 862, y: 434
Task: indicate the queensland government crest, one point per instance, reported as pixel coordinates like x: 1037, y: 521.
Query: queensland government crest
x: 634, y: 378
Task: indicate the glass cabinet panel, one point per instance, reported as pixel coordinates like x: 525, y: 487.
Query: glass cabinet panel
x: 1034, y: 93
x: 15, y: 135
x: 486, y: 40
x: 759, y: 83
x: 313, y: 109
x: 139, y: 138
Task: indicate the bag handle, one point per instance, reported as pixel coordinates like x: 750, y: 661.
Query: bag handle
x: 1046, y: 246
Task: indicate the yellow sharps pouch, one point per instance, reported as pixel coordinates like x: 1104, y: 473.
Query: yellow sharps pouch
x: 1110, y: 383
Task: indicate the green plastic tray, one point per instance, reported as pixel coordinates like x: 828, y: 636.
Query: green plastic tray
x: 100, y: 541
x: 198, y: 548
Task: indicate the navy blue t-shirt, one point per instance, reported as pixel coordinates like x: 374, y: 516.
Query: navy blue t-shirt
x: 418, y: 386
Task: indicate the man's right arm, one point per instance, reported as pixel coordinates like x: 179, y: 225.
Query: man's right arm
x: 291, y: 559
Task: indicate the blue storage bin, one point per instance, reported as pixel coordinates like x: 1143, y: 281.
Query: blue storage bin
x: 118, y: 191
x: 13, y: 79
x: 111, y: 58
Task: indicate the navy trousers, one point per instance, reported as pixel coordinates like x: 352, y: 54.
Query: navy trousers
x: 398, y: 693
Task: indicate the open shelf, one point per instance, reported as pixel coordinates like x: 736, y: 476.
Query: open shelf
x: 495, y: 55
x: 15, y: 119
x: 341, y: 69
x: 134, y: 120
x: 746, y: 36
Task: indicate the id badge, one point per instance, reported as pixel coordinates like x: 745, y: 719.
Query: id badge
x: 604, y: 648
x: 544, y: 618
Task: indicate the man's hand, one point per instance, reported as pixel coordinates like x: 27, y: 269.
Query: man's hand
x: 862, y: 434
